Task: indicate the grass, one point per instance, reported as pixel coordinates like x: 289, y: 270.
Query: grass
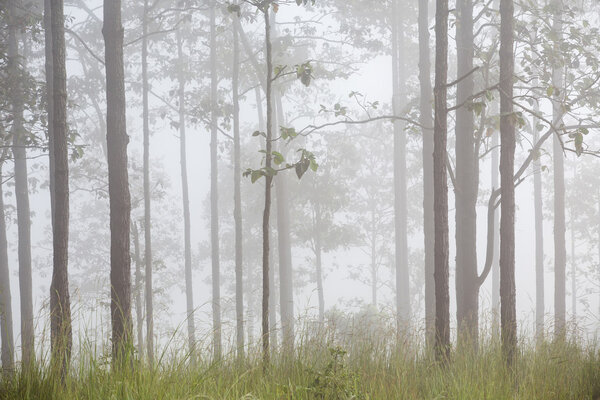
x: 354, y: 365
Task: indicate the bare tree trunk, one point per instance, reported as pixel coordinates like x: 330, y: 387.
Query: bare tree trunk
x: 496, y: 239
x: 467, y: 182
x: 400, y: 199
x: 286, y: 296
x: 373, y: 258
x: 268, y: 183
x: 440, y: 192
x: 508, y: 317
x: 560, y: 251
x: 573, y: 272
x: 60, y: 305
x: 319, y: 262
x: 21, y: 188
x: 214, y: 193
x: 6, y: 321
x: 49, y: 99
x: 118, y: 183
x: 189, y: 288
x: 426, y: 119
x: 147, y: 200
x: 237, y: 212
x: 138, y: 289
x: 539, y: 234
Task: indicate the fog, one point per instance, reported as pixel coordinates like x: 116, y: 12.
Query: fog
x: 348, y: 171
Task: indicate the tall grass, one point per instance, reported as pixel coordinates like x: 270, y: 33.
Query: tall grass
x: 348, y: 362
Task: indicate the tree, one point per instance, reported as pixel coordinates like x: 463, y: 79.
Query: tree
x: 118, y: 183
x: 60, y: 306
x: 147, y: 200
x: 426, y: 120
x: 440, y: 191
x: 508, y: 318
x: 6, y: 321
x: 214, y: 194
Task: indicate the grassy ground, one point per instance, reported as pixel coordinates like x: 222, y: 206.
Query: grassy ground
x: 327, y: 369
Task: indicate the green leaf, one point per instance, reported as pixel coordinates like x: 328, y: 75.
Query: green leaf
x: 278, y: 158
x: 256, y: 175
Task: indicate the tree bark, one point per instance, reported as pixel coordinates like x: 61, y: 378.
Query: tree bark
x: 400, y: 198
x: 214, y: 193
x: 237, y: 212
x: 467, y: 182
x: 268, y: 183
x: 319, y: 262
x: 49, y: 98
x: 539, y: 234
x: 189, y: 287
x: 60, y: 306
x: 440, y: 192
x: 496, y: 239
x: 6, y: 320
x: 426, y: 119
x: 560, y: 251
x: 147, y: 200
x: 573, y: 272
x: 21, y: 188
x: 508, y: 318
x: 118, y: 184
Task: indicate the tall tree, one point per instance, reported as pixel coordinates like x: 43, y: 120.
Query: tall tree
x: 60, y: 306
x: 118, y: 183
x: 440, y: 190
x: 6, y: 320
x: 426, y: 120
x: 138, y: 288
x: 467, y: 180
x: 508, y: 318
x: 539, y: 231
x: 147, y: 200
x: 237, y: 194
x: 21, y: 184
x: 560, y: 251
x: 400, y: 197
x: 189, y: 287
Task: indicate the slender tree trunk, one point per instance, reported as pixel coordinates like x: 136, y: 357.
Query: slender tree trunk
x: 268, y: 184
x: 400, y: 198
x: 539, y: 234
x: 508, y: 317
x: 286, y: 296
x: 496, y: 239
x: 426, y: 119
x: 319, y: 261
x: 49, y: 98
x: 147, y: 200
x: 373, y: 257
x: 440, y: 192
x: 237, y: 212
x: 214, y: 193
x: 138, y: 289
x: 189, y: 287
x: 6, y: 321
x: 573, y: 272
x: 60, y: 305
x: 560, y: 251
x: 21, y: 187
x: 467, y: 167
x: 118, y: 183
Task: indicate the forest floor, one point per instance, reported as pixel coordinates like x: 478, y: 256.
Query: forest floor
x: 364, y: 369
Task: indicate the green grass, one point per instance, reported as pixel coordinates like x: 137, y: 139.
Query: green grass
x: 324, y: 366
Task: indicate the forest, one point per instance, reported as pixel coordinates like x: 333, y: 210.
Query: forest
x: 299, y: 199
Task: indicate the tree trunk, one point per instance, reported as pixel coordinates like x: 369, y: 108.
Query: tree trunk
x: 467, y: 168
x: 214, y: 193
x: 189, y: 288
x: 6, y: 321
x: 60, y: 306
x: 440, y: 192
x: 573, y: 273
x: 268, y: 183
x: 21, y: 188
x: 426, y: 119
x: 237, y: 212
x: 147, y: 204
x: 496, y: 240
x: 118, y: 183
x: 560, y: 251
x: 373, y: 257
x: 138, y: 289
x: 508, y: 318
x: 400, y: 199
x: 286, y: 296
x: 49, y: 99
x: 319, y: 261
x: 539, y: 234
